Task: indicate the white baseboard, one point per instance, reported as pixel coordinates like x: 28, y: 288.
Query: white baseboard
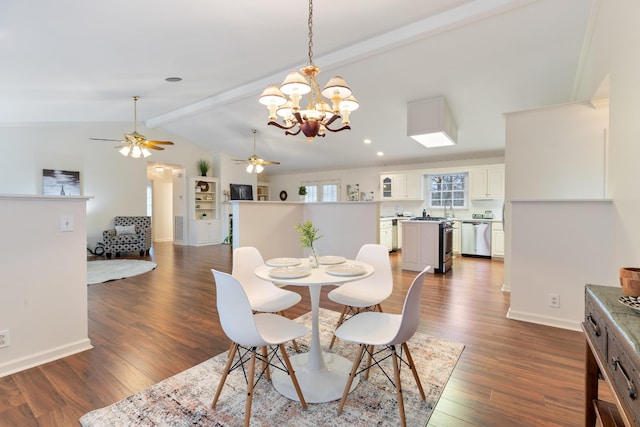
x: 544, y: 320
x: 17, y: 365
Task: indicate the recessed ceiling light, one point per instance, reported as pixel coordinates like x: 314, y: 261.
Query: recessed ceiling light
x: 367, y: 141
x: 380, y: 153
x: 173, y: 79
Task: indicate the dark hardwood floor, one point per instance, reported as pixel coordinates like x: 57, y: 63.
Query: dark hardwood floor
x: 149, y: 327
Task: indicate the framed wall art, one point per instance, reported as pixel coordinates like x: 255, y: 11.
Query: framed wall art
x: 60, y: 183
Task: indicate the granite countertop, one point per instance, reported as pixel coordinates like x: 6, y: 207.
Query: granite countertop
x: 626, y: 319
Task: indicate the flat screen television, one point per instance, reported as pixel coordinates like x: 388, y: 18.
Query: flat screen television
x: 241, y: 191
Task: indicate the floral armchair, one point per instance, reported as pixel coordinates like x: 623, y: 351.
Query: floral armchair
x: 130, y: 234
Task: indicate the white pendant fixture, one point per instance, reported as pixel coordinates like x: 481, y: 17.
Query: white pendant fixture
x: 429, y: 121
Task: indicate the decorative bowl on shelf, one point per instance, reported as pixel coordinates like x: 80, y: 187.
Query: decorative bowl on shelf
x: 630, y: 281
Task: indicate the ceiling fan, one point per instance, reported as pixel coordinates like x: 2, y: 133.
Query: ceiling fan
x: 135, y: 144
x: 255, y: 163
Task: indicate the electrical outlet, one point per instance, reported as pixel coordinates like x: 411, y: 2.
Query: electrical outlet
x: 4, y: 338
x: 554, y: 300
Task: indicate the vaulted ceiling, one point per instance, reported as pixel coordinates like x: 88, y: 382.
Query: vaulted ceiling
x: 77, y: 61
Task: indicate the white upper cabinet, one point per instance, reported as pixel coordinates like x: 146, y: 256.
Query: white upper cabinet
x: 401, y: 186
x: 487, y: 183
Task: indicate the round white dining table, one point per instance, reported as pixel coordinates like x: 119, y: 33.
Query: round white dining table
x: 321, y: 375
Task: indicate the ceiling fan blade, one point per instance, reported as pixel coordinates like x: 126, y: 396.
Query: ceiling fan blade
x: 103, y: 139
x: 160, y: 142
x: 268, y: 162
x: 153, y: 147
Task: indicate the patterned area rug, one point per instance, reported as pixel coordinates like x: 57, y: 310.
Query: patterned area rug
x: 106, y: 270
x: 185, y: 399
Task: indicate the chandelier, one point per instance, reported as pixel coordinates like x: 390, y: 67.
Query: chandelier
x: 316, y: 119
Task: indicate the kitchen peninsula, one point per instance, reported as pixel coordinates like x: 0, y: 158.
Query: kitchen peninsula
x: 427, y: 241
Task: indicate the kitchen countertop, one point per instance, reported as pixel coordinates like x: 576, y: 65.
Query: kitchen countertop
x: 404, y: 218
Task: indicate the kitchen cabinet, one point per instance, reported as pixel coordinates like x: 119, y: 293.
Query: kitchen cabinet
x: 401, y: 186
x: 203, y: 223
x: 487, y: 183
x: 456, y: 237
x: 386, y: 233
x: 420, y: 245
x: 400, y: 234
x: 497, y: 240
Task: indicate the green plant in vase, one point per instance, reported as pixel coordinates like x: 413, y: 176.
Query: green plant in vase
x: 308, y: 235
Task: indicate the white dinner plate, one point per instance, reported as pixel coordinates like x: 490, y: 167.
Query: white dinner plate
x: 282, y: 262
x: 330, y: 260
x: 345, y: 270
x: 289, y: 272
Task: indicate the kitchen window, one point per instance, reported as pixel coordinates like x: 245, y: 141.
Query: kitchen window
x: 325, y: 191
x: 450, y: 190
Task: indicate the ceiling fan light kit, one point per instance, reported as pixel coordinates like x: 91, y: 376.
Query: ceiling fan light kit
x: 134, y: 144
x: 255, y: 163
x: 316, y: 119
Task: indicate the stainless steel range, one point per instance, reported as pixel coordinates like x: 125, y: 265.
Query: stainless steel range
x: 445, y: 242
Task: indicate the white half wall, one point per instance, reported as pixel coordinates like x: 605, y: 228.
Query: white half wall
x: 269, y: 226
x: 557, y: 247
x: 43, y: 280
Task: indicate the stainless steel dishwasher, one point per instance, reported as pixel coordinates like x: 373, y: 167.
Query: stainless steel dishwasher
x: 476, y: 239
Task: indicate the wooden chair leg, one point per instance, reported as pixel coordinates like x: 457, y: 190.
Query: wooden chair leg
x: 396, y: 373
x: 413, y: 370
x: 352, y: 375
x: 265, y: 363
x: 340, y: 320
x: 369, y: 357
x: 232, y: 354
x: 250, y: 380
x: 292, y: 373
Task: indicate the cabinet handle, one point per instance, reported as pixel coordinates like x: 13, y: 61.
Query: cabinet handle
x: 594, y: 326
x: 631, y: 388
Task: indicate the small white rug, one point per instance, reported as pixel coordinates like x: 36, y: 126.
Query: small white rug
x: 104, y: 271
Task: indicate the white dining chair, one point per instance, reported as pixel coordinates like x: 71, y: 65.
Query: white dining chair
x: 263, y: 296
x: 391, y: 331
x: 366, y: 294
x: 249, y: 332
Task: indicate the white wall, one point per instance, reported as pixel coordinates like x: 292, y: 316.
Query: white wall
x: 557, y: 247
x: 117, y: 183
x: 43, y: 280
x: 557, y: 152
